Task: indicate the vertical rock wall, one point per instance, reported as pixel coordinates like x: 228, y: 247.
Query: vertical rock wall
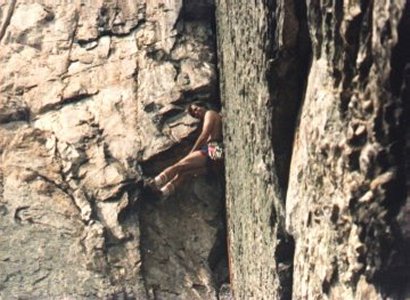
x: 345, y: 189
x: 347, y: 179
x: 92, y: 99
x: 90, y: 92
x: 263, y: 52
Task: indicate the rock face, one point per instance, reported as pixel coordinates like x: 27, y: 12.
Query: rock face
x: 92, y: 98
x: 315, y: 98
x: 348, y: 165
x: 260, y: 109
x: 343, y: 195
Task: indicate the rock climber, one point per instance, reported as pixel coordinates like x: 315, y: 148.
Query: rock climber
x: 206, y: 153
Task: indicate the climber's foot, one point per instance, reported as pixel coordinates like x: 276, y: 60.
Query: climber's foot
x: 152, y: 190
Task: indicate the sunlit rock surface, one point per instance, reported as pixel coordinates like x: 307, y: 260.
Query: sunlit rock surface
x: 89, y: 92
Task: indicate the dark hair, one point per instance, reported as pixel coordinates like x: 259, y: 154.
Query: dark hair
x: 199, y: 104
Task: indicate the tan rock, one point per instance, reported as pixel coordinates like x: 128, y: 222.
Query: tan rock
x: 89, y: 93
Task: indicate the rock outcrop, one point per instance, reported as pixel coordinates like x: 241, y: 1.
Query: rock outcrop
x: 315, y: 100
x: 263, y: 61
x: 92, y: 97
x: 342, y: 186
x: 347, y: 176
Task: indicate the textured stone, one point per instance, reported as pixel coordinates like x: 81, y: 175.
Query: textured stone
x: 260, y: 93
x: 347, y: 166
x: 344, y: 190
x: 180, y: 263
x: 92, y: 100
x: 89, y: 92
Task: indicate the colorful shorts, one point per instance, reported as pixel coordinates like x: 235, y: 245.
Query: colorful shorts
x: 214, y: 150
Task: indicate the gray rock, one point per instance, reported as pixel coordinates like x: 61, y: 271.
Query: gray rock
x: 320, y: 143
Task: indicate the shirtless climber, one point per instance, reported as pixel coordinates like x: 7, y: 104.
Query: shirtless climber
x: 206, y: 151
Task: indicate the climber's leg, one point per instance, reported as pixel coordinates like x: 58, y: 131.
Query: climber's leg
x: 192, y: 161
x: 180, y: 178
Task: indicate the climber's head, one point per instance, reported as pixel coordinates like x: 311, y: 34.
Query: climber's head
x: 197, y: 111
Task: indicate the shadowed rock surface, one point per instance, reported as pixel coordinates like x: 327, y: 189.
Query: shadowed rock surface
x: 264, y: 54
x: 347, y: 179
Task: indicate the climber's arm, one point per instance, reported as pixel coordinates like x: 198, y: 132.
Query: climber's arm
x: 206, y: 131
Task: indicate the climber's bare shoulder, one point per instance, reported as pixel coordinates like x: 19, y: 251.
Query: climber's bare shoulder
x: 213, y: 122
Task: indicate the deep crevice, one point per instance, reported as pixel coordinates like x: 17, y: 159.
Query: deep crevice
x: 65, y: 101
x: 287, y: 82
x: 394, y: 278
x: 352, y: 40
x: 163, y: 247
x: 160, y: 161
x: 18, y: 115
x: 284, y: 255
